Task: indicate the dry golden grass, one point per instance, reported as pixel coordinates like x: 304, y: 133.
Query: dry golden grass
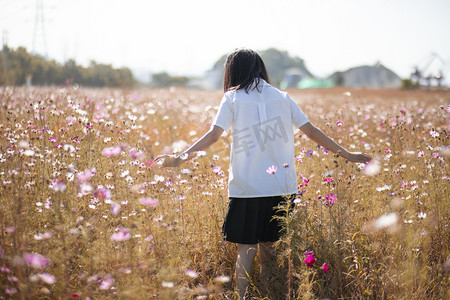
x: 51, y: 138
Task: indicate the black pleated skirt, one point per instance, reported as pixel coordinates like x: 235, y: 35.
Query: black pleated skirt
x: 251, y: 220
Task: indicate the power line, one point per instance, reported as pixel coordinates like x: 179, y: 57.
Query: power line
x: 39, y: 21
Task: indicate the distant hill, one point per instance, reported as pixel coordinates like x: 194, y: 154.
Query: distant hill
x: 377, y: 76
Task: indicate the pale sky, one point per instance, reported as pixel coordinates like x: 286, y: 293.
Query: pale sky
x: 187, y: 37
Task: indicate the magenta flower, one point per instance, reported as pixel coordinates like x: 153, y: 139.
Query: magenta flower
x: 330, y: 199
x: 53, y: 139
x: 325, y: 267
x: 310, y: 260
x: 339, y: 123
x: 36, y: 260
x: 149, y: 201
x: 121, y: 235
x: 271, y: 170
x: 403, y: 111
x: 112, y: 151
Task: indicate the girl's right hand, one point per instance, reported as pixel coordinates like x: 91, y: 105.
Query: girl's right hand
x: 168, y: 160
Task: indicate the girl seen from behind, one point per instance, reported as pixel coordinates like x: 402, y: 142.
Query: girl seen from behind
x: 261, y: 120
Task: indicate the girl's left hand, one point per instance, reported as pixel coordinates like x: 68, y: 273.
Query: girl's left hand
x: 168, y: 160
x: 359, y: 157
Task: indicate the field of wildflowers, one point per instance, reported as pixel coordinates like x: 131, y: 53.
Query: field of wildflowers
x: 85, y: 214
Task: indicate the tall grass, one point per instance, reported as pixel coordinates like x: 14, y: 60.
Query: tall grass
x: 113, y: 226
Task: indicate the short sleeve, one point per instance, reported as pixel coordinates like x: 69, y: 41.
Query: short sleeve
x: 224, y: 116
x: 298, y: 117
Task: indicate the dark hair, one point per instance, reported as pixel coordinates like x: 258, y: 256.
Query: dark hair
x: 242, y: 68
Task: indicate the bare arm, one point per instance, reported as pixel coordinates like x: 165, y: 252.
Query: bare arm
x: 322, y: 139
x: 203, y: 143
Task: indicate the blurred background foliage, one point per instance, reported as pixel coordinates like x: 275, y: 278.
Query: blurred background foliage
x: 18, y: 67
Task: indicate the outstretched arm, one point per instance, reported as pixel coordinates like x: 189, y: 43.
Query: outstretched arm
x: 322, y: 139
x: 203, y: 143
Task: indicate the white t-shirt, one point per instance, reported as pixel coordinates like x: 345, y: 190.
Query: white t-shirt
x: 262, y: 128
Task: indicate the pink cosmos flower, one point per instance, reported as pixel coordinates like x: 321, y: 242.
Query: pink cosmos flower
x: 10, y: 229
x: 47, y: 278
x: 43, y: 236
x: 115, y: 208
x: 191, y: 273
x: 85, y: 188
x: 106, y: 283
x: 338, y: 123
x: 5, y: 270
x: 58, y: 185
x: 11, y: 291
x: 112, y: 151
x: 271, y: 170
x: 121, y: 235
x: 53, y: 139
x: 149, y: 201
x: 372, y: 168
x: 325, y: 267
x: 135, y: 154
x: 85, y: 176
x: 36, y: 260
x: 103, y: 193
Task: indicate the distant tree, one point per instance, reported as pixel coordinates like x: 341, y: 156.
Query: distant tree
x: 163, y: 79
x: 18, y: 65
x: 278, y: 62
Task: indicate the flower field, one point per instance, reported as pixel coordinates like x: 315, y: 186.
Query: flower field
x: 84, y: 213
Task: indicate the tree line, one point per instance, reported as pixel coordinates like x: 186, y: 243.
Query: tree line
x: 18, y: 67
